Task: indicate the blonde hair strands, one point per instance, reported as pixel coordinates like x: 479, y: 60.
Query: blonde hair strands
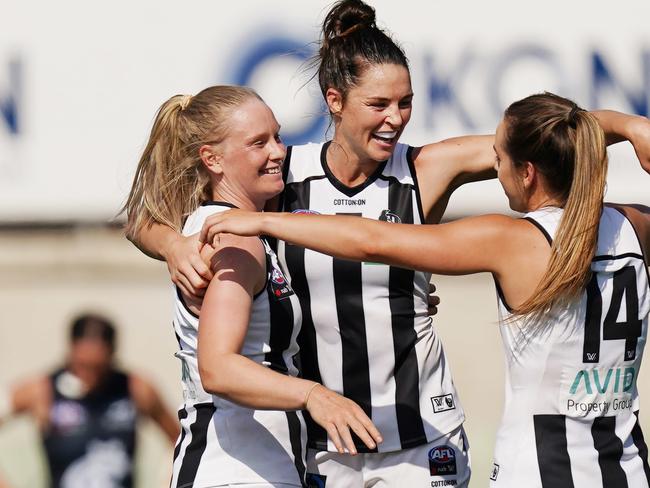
x: 567, y: 145
x: 170, y: 181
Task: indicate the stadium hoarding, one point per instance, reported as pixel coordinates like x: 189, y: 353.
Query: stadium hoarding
x: 80, y: 83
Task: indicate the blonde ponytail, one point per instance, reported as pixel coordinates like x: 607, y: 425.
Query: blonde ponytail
x: 570, y: 151
x: 170, y: 181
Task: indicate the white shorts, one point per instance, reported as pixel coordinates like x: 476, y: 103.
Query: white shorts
x: 443, y: 462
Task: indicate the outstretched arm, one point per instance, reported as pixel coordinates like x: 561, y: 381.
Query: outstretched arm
x: 633, y: 128
x: 462, y: 247
x: 223, y: 325
x: 444, y: 166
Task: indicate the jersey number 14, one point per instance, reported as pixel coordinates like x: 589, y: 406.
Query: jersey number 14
x: 624, y: 286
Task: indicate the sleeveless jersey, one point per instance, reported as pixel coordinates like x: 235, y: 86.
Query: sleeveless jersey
x: 366, y: 332
x: 90, y: 441
x: 222, y: 442
x: 571, y: 405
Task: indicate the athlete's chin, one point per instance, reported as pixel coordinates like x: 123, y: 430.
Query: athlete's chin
x: 382, y: 152
x: 272, y: 189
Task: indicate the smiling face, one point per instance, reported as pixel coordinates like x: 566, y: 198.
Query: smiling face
x: 510, y: 176
x: 374, y: 113
x: 246, y: 167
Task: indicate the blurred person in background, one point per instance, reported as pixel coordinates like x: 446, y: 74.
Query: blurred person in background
x: 87, y: 411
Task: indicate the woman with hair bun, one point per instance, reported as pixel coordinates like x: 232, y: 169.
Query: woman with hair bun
x: 573, y: 293
x: 207, y: 153
x: 365, y: 330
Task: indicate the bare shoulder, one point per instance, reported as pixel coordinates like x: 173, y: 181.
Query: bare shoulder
x: 454, y: 155
x: 30, y: 394
x: 444, y: 166
x: 516, y: 238
x: 241, y: 260
x: 639, y: 217
x: 233, y: 250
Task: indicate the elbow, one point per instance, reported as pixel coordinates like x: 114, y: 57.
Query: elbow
x: 370, y: 247
x: 211, y: 380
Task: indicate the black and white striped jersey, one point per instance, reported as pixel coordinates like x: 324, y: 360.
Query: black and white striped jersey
x: 222, y: 442
x: 365, y: 331
x: 571, y: 406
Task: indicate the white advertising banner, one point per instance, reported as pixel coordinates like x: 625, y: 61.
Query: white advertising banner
x: 80, y: 81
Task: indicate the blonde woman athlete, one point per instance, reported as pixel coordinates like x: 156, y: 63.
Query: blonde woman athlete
x: 208, y: 153
x: 573, y: 293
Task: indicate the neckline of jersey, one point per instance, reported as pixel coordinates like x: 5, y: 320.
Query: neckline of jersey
x: 349, y: 191
x: 217, y: 202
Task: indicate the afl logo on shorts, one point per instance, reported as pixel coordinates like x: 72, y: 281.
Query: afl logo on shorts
x: 305, y: 211
x: 442, y: 461
x: 388, y: 216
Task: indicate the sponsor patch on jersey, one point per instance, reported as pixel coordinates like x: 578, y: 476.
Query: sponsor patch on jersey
x: 315, y: 480
x: 120, y: 415
x: 305, y: 211
x: 349, y: 201
x: 443, y: 403
x: 388, y: 216
x: 67, y: 416
x: 442, y: 461
x: 595, y: 392
x: 495, y: 472
x: 279, y: 284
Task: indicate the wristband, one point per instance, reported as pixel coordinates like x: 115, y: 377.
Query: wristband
x: 309, y: 393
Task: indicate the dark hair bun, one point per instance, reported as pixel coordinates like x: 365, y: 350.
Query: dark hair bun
x: 347, y: 16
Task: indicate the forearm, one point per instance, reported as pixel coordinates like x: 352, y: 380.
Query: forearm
x: 155, y: 240
x: 245, y: 382
x: 620, y: 127
x: 340, y: 236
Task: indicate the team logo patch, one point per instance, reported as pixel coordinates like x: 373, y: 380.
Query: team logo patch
x: 279, y: 284
x: 66, y: 416
x: 495, y: 472
x: 315, y: 480
x: 388, y: 216
x: 305, y: 211
x: 442, y: 461
x: 443, y: 403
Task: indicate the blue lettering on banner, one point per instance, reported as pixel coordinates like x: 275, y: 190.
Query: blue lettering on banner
x: 444, y: 84
x: 9, y: 101
x: 602, y: 77
x: 262, y: 50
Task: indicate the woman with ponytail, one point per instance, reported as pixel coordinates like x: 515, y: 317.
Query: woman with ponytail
x: 573, y: 293
x: 207, y: 153
x: 366, y: 332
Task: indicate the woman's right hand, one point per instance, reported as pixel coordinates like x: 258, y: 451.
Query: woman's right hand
x: 338, y: 415
x: 186, y: 267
